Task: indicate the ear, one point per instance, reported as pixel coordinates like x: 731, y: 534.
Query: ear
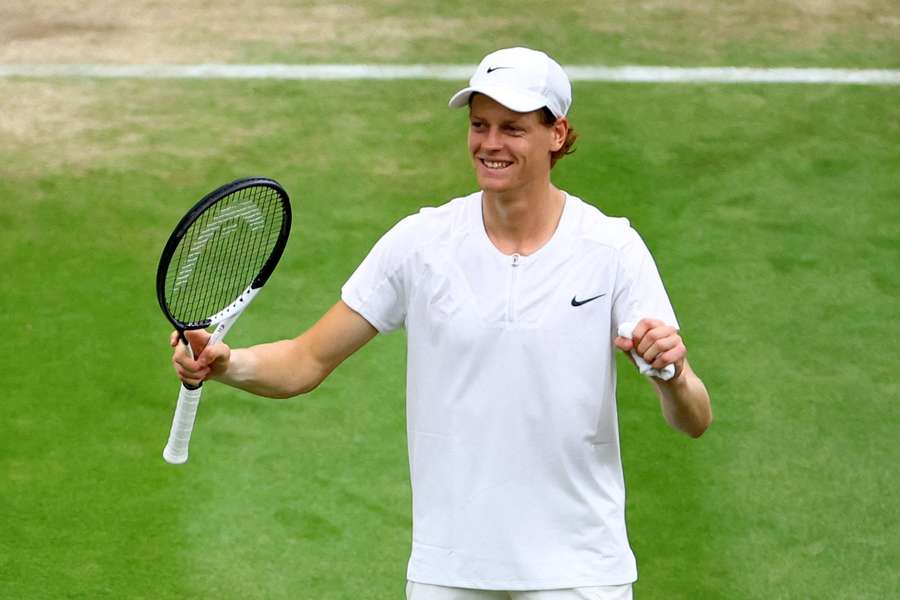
x: 559, y: 130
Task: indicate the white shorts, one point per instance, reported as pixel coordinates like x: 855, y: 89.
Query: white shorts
x: 425, y: 591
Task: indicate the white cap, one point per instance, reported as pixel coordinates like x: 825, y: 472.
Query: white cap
x: 520, y: 79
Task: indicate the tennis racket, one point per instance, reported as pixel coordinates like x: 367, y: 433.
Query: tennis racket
x: 218, y: 258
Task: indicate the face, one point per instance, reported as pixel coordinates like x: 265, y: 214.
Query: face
x: 510, y: 150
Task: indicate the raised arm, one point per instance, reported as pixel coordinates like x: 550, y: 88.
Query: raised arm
x: 683, y: 399
x: 279, y: 369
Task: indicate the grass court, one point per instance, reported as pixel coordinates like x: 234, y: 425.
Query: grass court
x: 773, y: 212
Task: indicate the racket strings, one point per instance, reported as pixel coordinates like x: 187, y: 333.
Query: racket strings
x: 222, y: 252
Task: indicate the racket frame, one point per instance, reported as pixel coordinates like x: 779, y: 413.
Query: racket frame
x: 192, y: 215
x: 176, y: 450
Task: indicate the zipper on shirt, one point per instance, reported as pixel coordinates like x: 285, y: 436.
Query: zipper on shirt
x: 511, y: 301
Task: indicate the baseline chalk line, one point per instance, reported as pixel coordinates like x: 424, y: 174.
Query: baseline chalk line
x: 636, y: 74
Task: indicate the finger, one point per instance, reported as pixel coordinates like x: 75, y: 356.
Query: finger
x: 198, y: 339
x: 648, y: 339
x: 182, y: 359
x: 653, y: 336
x: 669, y: 357
x: 191, y: 381
x: 660, y: 346
x: 211, y: 354
x: 662, y: 361
x: 642, y: 327
x: 181, y: 354
x: 190, y: 376
x: 173, y: 339
x: 623, y: 343
x: 181, y: 350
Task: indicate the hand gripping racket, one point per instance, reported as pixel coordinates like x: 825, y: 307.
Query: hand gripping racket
x: 215, y: 262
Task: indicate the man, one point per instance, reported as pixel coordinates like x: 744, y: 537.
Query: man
x: 511, y: 298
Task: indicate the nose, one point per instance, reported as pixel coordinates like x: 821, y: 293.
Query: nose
x: 492, y: 139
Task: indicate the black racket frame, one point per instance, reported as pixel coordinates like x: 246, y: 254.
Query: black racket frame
x: 193, y: 214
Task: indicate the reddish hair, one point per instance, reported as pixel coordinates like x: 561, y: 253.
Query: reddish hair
x: 548, y: 119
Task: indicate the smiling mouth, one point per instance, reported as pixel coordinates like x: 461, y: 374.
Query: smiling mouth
x: 495, y: 165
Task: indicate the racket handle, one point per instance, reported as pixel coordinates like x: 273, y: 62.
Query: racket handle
x: 176, y: 451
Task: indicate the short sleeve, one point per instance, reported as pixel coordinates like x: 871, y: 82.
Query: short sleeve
x: 639, y: 291
x: 379, y: 288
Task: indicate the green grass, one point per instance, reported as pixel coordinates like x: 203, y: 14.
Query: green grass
x: 688, y: 33
x: 825, y: 33
x: 772, y: 212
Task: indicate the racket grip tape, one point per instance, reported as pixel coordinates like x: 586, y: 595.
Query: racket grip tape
x: 176, y: 451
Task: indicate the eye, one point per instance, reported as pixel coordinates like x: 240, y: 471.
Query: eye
x: 477, y: 125
x: 514, y: 130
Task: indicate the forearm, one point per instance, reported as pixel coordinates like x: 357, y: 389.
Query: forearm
x: 290, y: 367
x: 276, y: 370
x: 685, y: 402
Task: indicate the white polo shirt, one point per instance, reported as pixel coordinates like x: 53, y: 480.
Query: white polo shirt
x: 511, y: 410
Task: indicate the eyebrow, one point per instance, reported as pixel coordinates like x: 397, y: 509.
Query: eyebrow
x: 514, y: 121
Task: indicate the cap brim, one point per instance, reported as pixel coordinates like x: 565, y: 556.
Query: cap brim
x: 514, y: 100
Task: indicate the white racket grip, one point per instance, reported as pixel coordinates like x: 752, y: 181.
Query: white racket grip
x: 176, y: 451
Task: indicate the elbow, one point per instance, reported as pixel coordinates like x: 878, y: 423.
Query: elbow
x: 300, y: 378
x: 305, y: 388
x: 282, y: 394
x: 697, y: 432
x: 308, y: 383
x: 289, y: 389
x: 288, y: 392
x: 308, y: 372
x: 699, y: 428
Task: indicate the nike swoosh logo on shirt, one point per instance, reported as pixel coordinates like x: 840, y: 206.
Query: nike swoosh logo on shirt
x: 580, y: 302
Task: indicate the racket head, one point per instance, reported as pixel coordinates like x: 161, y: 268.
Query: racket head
x: 222, y: 251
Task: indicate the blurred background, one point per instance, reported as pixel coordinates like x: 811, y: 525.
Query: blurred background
x: 773, y: 212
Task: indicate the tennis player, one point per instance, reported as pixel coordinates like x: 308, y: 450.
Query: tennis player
x: 511, y: 298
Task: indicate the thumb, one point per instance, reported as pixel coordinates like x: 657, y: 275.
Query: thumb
x: 626, y: 345
x: 215, y: 357
x: 623, y: 343
x: 211, y: 353
x: 198, y: 338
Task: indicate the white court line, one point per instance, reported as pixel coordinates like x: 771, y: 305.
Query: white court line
x: 454, y: 72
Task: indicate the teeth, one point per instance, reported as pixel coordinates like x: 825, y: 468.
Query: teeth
x: 496, y: 164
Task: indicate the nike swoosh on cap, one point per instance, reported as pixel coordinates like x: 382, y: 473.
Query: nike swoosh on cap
x: 492, y: 69
x: 580, y: 302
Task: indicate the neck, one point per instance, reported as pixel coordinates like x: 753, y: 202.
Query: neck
x: 521, y: 222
